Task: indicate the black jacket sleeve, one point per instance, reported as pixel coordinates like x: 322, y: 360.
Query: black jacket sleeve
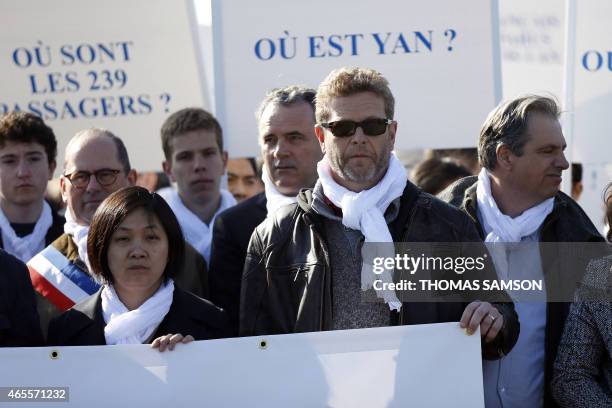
x: 19, y: 322
x: 54, y: 331
x: 254, y: 315
x: 225, y: 275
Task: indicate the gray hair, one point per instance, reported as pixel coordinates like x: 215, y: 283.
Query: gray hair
x: 287, y: 96
x: 507, y: 125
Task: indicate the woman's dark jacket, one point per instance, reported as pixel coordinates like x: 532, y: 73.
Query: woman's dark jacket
x: 83, y: 325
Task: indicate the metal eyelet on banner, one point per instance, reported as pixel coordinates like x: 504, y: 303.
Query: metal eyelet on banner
x: 54, y: 354
x: 263, y: 344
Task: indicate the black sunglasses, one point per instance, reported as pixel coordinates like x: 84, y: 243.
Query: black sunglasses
x: 347, y: 128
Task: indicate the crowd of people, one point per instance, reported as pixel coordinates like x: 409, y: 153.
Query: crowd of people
x: 125, y: 265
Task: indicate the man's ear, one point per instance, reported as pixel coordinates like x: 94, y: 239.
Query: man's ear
x: 320, y: 137
x: 167, y: 166
x: 504, y: 156
x: 52, y: 167
x: 132, y: 176
x: 224, y: 158
x: 63, y: 186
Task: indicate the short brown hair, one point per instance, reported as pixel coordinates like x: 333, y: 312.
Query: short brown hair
x: 434, y: 175
x: 187, y: 120
x: 113, y: 210
x: 349, y: 81
x: 507, y: 124
x: 23, y: 127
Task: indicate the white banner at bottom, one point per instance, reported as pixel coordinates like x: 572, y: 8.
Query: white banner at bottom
x: 434, y: 365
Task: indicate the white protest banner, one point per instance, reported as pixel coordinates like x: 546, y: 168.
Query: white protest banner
x: 119, y: 65
x: 441, y: 58
x: 532, y: 35
x: 588, y: 97
x: 421, y: 366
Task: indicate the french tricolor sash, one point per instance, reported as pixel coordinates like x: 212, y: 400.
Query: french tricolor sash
x: 60, y: 280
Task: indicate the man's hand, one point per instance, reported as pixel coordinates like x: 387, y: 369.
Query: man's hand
x: 170, y: 340
x: 486, y: 316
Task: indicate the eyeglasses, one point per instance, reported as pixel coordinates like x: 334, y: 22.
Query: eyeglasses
x: 347, y: 128
x: 104, y: 177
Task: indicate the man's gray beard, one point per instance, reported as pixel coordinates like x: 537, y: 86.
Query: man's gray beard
x: 376, y: 172
x: 348, y: 174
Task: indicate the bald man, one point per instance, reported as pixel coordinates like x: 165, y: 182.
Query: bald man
x: 96, y: 164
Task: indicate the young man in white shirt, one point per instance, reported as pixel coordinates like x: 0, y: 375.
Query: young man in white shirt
x: 27, y: 161
x: 192, y: 141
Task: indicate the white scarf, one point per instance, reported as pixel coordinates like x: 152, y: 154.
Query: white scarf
x: 136, y: 326
x: 26, y: 247
x: 196, y: 231
x: 274, y: 199
x: 500, y: 227
x: 79, y: 236
x: 364, y: 211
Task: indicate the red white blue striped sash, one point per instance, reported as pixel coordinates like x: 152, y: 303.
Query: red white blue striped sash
x: 60, y: 280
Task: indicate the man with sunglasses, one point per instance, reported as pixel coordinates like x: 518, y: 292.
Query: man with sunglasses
x: 96, y: 164
x: 303, y: 269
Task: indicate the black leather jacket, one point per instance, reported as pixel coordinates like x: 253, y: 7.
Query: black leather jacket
x: 286, y: 286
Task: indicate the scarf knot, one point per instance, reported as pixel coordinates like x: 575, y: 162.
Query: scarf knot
x: 136, y: 326
x: 364, y: 211
x: 500, y: 227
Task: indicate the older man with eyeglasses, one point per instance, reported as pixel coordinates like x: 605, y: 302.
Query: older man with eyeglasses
x: 96, y: 164
x: 304, y: 270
